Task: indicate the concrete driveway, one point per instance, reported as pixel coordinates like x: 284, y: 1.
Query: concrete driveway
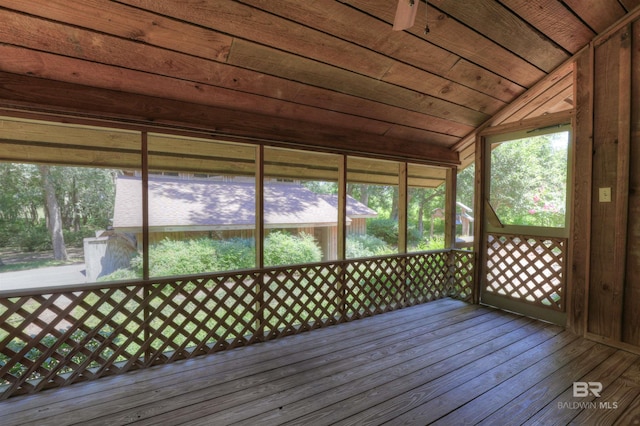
x: 43, y: 277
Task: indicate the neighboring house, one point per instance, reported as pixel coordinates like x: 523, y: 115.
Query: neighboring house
x: 181, y: 208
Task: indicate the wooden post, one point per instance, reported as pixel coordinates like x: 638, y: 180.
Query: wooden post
x: 450, y: 225
x: 259, y: 241
x: 146, y: 290
x: 145, y: 205
x: 450, y: 208
x: 580, y: 225
x: 622, y: 172
x: 631, y: 320
x: 341, y: 288
x: 342, y: 207
x: 610, y: 170
x: 403, y: 199
x: 479, y: 209
x: 402, y: 207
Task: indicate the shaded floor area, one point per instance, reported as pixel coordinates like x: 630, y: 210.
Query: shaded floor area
x: 445, y: 362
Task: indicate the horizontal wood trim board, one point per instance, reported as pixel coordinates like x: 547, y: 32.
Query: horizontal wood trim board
x: 31, y: 92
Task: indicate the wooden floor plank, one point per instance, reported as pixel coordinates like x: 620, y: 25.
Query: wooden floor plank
x: 445, y: 362
x: 381, y: 401
x: 321, y: 389
x: 228, y: 365
x: 630, y: 415
x: 565, y: 407
x: 341, y: 401
x: 274, y: 354
x: 549, y: 388
x: 494, y: 399
x: 344, y: 363
x: 421, y: 404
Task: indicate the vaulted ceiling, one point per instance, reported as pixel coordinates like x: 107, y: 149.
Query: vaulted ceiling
x: 319, y: 70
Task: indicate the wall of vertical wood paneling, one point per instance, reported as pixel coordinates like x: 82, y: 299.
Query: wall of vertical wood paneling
x: 631, y: 308
x: 606, y: 235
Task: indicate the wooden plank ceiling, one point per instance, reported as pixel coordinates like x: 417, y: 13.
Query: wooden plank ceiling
x: 321, y: 72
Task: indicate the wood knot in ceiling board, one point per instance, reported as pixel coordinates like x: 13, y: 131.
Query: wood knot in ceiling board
x: 138, y: 35
x: 446, y: 89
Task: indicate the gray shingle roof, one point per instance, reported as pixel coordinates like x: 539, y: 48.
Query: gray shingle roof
x: 200, y: 204
x: 355, y: 209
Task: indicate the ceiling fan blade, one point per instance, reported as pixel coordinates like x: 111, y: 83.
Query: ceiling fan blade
x: 405, y: 14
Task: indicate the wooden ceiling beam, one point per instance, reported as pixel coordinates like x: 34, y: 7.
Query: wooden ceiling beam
x: 51, y: 96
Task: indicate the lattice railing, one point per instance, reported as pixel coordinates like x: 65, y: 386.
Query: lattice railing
x: 527, y: 268
x: 68, y: 335
x: 462, y: 275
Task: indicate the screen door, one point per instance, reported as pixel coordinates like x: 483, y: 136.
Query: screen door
x: 526, y: 228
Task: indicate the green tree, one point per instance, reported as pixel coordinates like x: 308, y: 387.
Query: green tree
x: 528, y: 181
x: 65, y: 198
x: 20, y: 194
x: 86, y: 196
x: 422, y: 202
x: 466, y: 185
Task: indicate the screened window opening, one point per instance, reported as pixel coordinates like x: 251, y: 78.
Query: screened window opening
x: 425, y: 208
x: 300, y: 206
x: 56, y: 209
x: 528, y: 185
x: 201, y: 206
x: 373, y: 189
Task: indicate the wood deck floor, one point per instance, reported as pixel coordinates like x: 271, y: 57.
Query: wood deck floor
x: 444, y: 362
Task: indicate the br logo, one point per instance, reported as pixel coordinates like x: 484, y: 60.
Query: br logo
x: 582, y: 389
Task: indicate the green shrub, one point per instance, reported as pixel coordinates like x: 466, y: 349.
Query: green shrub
x: 76, y: 238
x: 413, y: 236
x: 435, y: 243
x: 25, y: 235
x: 34, y: 238
x: 366, y: 246
x: 7, y: 232
x: 132, y: 273
x: 236, y: 253
x: 182, y: 257
x: 384, y: 229
x: 169, y: 258
x: 281, y: 248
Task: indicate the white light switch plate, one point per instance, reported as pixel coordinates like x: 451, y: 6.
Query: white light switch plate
x: 605, y: 195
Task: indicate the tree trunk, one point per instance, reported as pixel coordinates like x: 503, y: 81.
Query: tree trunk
x: 55, y: 218
x: 364, y: 195
x: 394, y: 203
x: 75, y: 214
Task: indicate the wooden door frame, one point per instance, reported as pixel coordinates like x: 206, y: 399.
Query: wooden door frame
x: 483, y: 228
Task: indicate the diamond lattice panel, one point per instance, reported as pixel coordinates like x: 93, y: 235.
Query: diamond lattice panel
x: 530, y: 269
